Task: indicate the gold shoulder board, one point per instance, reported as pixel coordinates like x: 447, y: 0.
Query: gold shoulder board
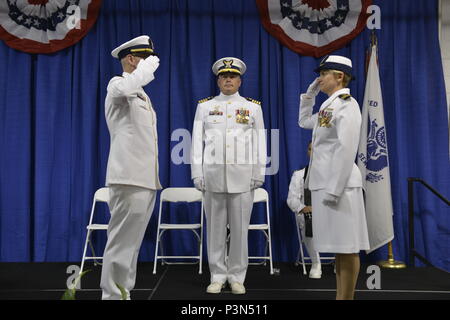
x: 345, y: 96
x: 205, y: 99
x: 254, y: 101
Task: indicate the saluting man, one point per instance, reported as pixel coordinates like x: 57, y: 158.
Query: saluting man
x: 228, y: 164
x: 339, y: 221
x: 132, y: 172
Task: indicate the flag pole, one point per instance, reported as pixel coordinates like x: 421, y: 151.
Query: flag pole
x: 390, y: 262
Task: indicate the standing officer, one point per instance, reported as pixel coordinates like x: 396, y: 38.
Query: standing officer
x: 228, y: 163
x: 132, y: 172
x: 339, y: 221
x: 299, y: 201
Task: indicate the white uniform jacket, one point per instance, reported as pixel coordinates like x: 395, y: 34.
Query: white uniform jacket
x: 296, y: 195
x: 228, y: 143
x: 336, y: 128
x: 133, y: 155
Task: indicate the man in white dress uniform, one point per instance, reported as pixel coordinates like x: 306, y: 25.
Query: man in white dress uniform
x: 300, y: 205
x: 228, y: 162
x: 339, y: 223
x: 132, y: 172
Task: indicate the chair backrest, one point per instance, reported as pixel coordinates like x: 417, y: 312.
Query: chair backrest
x: 181, y: 195
x: 261, y: 195
x: 102, y: 195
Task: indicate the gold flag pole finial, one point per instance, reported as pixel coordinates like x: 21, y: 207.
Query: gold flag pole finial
x: 373, y: 38
x: 390, y: 262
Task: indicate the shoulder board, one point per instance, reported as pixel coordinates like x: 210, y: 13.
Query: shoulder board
x: 254, y: 101
x: 205, y: 99
x: 345, y: 96
x: 119, y: 75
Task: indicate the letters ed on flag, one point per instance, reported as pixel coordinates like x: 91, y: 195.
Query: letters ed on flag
x: 373, y: 160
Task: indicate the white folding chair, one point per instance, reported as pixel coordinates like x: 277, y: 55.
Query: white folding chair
x: 300, y: 254
x: 101, y: 195
x: 300, y: 250
x: 188, y: 195
x: 261, y: 195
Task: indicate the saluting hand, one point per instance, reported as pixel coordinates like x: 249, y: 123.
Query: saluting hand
x: 313, y: 89
x: 153, y: 62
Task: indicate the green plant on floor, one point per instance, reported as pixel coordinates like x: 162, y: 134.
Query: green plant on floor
x: 123, y: 292
x: 69, y: 294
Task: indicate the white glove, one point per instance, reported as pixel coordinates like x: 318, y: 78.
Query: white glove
x: 199, y: 184
x: 330, y: 200
x: 153, y: 63
x: 313, y: 89
x: 255, y: 184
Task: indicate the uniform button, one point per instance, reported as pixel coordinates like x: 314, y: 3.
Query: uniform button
x: 215, y: 121
x: 228, y: 145
x: 229, y: 116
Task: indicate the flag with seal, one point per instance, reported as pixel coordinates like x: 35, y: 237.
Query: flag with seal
x: 373, y: 161
x: 46, y: 26
x: 314, y: 27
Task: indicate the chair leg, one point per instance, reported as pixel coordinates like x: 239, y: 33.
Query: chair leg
x: 84, y: 251
x: 155, y: 261
x: 303, y: 258
x: 270, y: 253
x: 201, y: 252
x: 300, y: 249
x: 161, y: 247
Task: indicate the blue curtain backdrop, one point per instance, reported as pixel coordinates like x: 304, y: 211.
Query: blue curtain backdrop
x: 54, y: 141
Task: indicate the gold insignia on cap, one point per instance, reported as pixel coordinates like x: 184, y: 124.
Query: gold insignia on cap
x: 227, y: 63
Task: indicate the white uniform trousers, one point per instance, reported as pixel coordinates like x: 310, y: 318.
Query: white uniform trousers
x: 234, y: 209
x: 131, y: 208
x: 309, y: 244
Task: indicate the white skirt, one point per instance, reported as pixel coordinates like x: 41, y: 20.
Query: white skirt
x: 342, y: 228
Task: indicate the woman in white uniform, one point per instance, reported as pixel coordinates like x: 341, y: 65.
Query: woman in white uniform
x: 339, y: 223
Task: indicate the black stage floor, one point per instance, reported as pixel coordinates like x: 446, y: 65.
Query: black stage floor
x: 47, y: 281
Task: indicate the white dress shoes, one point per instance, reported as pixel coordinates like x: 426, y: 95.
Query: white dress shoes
x: 237, y: 288
x: 215, y: 287
x: 316, y: 271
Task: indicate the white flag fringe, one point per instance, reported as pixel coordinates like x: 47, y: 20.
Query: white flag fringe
x: 373, y: 160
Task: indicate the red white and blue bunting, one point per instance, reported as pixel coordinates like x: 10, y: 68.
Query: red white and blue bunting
x: 46, y: 26
x: 314, y: 27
